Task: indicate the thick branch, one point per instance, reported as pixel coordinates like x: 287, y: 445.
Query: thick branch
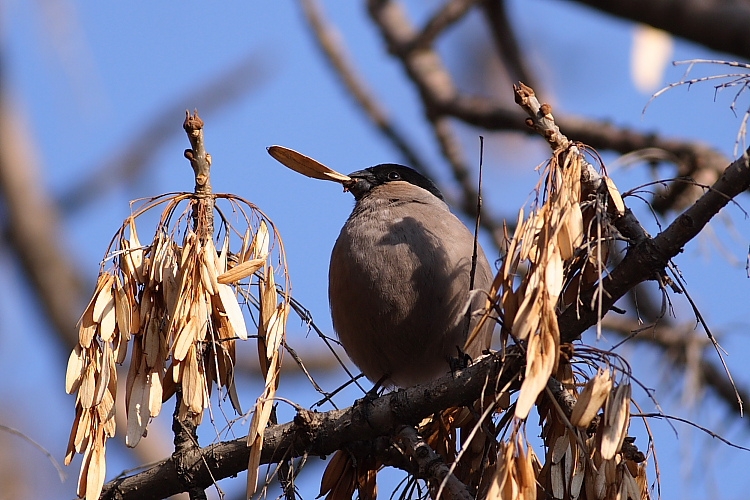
x: 651, y: 256
x: 320, y: 434
x: 717, y: 24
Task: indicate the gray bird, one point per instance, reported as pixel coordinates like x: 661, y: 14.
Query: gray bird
x: 399, y: 279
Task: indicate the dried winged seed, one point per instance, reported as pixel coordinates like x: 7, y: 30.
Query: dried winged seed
x: 576, y: 482
x: 232, y: 308
x: 253, y: 464
x: 192, y: 383
x: 616, y: 420
x: 120, y: 348
x: 184, y: 339
x: 209, y: 260
x: 106, y: 414
x: 556, y: 480
x: 628, y: 486
x: 157, y: 261
x: 568, y: 463
x: 108, y: 323
x: 97, y: 469
x: 554, y: 273
x: 70, y: 451
x: 75, y: 369
x: 276, y: 327
x: 241, y: 271
x: 335, y: 468
x: 88, y: 386
x: 642, y: 482
x: 122, y: 309
x: 146, y: 306
x: 206, y: 279
x: 135, y: 319
x: 155, y: 393
x: 526, y: 476
x: 83, y: 432
x: 136, y: 360
x: 541, y: 357
x: 614, y: 195
x: 171, y: 290
x: 136, y: 252
x: 591, y: 399
x: 574, y: 225
x: 305, y: 165
x: 233, y: 397
x: 86, y: 328
x: 261, y: 241
x: 102, y: 381
x: 562, y: 443
x: 83, y: 474
x: 177, y: 368
x: 103, y: 295
x: 151, y: 341
x: 221, y: 258
x: 201, y: 310
x: 137, y: 409
x: 527, y: 315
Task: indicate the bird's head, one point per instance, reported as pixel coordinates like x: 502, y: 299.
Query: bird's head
x: 364, y: 181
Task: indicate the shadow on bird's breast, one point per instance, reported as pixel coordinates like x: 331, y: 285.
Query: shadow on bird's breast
x: 428, y: 254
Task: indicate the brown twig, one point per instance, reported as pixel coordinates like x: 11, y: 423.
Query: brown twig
x: 717, y: 25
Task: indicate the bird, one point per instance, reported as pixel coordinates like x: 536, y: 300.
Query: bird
x: 399, y: 279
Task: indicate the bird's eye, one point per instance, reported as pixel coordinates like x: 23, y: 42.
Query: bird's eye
x: 393, y: 176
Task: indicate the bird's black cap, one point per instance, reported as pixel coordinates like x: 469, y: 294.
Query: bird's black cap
x: 365, y: 180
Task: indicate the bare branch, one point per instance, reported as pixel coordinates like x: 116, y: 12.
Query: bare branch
x: 718, y: 25
x: 317, y: 434
x: 651, y: 256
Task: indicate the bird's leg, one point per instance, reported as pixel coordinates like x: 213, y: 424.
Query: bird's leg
x: 460, y: 362
x: 372, y: 394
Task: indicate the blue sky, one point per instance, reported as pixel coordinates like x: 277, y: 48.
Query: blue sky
x: 88, y: 76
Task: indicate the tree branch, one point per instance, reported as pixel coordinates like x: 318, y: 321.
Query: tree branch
x: 650, y: 256
x: 716, y: 24
x: 319, y: 434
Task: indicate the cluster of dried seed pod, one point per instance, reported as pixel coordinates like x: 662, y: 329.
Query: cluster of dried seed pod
x: 560, y: 250
x: 516, y: 471
x: 543, y: 243
x: 178, y: 304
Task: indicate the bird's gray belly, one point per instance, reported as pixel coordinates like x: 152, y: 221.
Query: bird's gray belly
x: 401, y: 293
